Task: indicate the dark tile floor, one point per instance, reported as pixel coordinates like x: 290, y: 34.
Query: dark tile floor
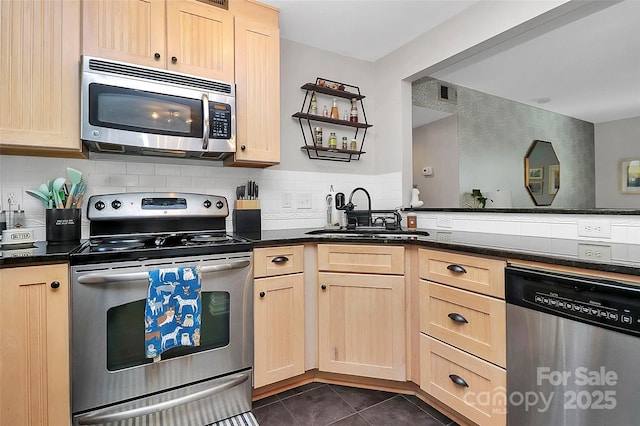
x: 321, y: 404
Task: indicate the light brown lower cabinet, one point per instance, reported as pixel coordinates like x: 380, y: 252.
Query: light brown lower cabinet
x: 361, y: 325
x: 34, y: 349
x: 278, y: 310
x: 471, y: 386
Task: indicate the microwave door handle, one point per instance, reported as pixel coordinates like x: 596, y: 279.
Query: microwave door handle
x: 101, y: 416
x: 135, y: 276
x: 205, y: 121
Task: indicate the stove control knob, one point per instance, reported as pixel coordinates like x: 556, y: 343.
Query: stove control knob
x: 219, y: 204
x: 206, y: 204
x: 116, y: 204
x: 99, y: 205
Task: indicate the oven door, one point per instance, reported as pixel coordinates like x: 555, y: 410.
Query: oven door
x: 108, y: 338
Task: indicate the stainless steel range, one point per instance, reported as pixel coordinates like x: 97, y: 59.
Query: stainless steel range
x: 113, y: 381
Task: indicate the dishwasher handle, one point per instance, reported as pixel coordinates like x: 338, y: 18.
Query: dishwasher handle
x: 101, y: 278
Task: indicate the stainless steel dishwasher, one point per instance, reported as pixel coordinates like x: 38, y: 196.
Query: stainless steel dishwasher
x: 573, y: 349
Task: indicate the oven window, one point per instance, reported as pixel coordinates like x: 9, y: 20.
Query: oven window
x: 146, y: 112
x: 126, y: 343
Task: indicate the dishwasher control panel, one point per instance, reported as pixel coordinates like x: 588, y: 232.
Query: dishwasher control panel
x: 606, y: 303
x: 618, y: 314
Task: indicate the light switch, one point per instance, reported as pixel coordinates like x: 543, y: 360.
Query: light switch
x: 427, y: 171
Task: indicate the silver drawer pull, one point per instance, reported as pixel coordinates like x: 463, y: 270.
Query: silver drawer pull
x: 458, y: 318
x: 134, y: 276
x: 458, y: 380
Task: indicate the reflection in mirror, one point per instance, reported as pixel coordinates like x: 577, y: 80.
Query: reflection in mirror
x: 542, y: 173
x: 568, y: 85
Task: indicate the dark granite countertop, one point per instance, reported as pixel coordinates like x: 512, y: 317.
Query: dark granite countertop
x: 614, y: 257
x: 36, y: 253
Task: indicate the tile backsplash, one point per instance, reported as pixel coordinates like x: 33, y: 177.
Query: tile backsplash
x: 19, y: 173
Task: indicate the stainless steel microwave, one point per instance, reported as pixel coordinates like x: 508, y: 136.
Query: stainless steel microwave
x: 131, y: 109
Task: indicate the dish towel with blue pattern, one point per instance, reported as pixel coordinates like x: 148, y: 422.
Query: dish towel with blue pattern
x: 172, y: 313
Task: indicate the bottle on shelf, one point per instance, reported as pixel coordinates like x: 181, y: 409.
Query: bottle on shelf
x: 314, y: 104
x: 318, y: 136
x: 354, y: 145
x: 334, y: 110
x: 345, y: 145
x: 325, y: 111
x: 333, y: 141
x: 353, y: 117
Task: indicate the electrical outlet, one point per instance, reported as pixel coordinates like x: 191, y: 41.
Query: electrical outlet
x: 594, y: 228
x: 594, y: 252
x: 427, y: 171
x: 444, y: 222
x: 304, y: 200
x: 286, y: 200
x: 444, y: 237
x: 14, y: 195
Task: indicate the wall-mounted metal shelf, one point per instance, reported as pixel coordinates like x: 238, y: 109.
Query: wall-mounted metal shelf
x: 336, y: 90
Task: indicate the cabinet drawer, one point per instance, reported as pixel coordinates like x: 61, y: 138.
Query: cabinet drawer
x: 361, y: 258
x: 481, y: 396
x: 477, y: 274
x: 271, y: 261
x: 444, y: 310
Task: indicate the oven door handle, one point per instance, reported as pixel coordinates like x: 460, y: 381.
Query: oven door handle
x: 103, y: 416
x: 134, y: 276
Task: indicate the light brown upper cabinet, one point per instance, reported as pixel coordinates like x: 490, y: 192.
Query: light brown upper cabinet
x: 39, y: 72
x: 178, y: 35
x: 257, y: 45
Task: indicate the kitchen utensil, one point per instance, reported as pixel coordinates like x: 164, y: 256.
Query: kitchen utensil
x: 80, y: 190
x: 75, y: 176
x: 44, y: 190
x: 39, y: 196
x: 56, y: 187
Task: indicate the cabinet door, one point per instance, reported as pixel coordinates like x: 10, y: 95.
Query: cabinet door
x: 278, y: 328
x: 200, y: 40
x: 39, y: 70
x: 361, y: 322
x: 34, y: 324
x: 257, y: 93
x: 125, y: 30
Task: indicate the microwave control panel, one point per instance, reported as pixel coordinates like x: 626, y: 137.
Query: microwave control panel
x: 219, y: 120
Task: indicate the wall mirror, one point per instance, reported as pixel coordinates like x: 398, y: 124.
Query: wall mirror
x: 542, y: 173
x: 576, y: 84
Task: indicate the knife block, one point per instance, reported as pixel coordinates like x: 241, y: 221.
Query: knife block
x: 247, y: 218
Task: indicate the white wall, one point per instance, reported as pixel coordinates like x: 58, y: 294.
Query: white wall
x: 482, y: 25
x: 300, y: 64
x: 436, y: 145
x: 615, y: 140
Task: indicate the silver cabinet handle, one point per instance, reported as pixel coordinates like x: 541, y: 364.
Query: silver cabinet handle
x: 133, y: 276
x: 102, y: 416
x: 205, y: 121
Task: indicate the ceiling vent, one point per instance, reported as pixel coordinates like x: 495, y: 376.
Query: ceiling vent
x: 447, y: 93
x: 222, y: 4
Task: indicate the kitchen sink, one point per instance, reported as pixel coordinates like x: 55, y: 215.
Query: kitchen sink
x: 369, y: 232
